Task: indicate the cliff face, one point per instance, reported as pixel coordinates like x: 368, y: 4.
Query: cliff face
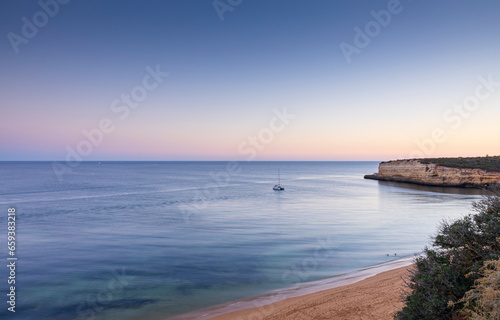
x: 430, y: 174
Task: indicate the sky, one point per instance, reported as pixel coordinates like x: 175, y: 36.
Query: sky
x: 248, y: 80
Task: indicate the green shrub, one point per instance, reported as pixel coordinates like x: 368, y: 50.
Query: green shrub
x: 485, y: 163
x: 447, y: 271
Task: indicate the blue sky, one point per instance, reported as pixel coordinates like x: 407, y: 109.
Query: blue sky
x: 226, y: 79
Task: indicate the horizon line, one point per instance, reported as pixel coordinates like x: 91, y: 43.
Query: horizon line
x: 192, y: 161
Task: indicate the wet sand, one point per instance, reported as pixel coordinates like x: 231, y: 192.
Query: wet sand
x: 369, y: 293
x: 377, y: 298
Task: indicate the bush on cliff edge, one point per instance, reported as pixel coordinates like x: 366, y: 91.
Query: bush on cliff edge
x: 483, y: 301
x: 447, y: 271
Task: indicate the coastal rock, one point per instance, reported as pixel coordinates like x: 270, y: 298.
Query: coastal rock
x: 413, y: 171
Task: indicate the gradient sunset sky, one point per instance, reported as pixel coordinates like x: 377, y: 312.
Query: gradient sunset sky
x: 227, y: 79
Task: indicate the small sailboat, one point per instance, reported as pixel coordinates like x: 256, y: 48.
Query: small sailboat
x: 278, y: 186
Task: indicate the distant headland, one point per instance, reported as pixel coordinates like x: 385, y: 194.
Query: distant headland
x: 472, y: 172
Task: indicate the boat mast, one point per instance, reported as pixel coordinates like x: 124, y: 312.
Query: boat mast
x: 279, y: 177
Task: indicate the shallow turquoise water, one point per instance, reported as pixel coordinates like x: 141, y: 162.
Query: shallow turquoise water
x: 153, y: 239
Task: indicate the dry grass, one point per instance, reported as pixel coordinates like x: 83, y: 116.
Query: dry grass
x: 483, y: 301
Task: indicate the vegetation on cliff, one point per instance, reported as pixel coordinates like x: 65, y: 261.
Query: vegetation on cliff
x: 483, y: 301
x: 485, y: 163
x: 458, y: 277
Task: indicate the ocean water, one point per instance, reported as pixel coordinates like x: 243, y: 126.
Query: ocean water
x: 150, y: 240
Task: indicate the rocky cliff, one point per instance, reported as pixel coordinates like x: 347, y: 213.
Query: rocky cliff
x: 413, y: 171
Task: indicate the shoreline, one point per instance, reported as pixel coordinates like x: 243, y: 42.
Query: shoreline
x: 378, y: 177
x: 263, y: 306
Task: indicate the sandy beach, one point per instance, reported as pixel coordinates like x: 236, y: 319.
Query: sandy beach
x: 377, y: 298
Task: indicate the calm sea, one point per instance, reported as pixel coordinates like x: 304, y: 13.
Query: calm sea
x: 148, y: 240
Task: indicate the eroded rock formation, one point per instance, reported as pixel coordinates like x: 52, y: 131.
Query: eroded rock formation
x: 413, y: 171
